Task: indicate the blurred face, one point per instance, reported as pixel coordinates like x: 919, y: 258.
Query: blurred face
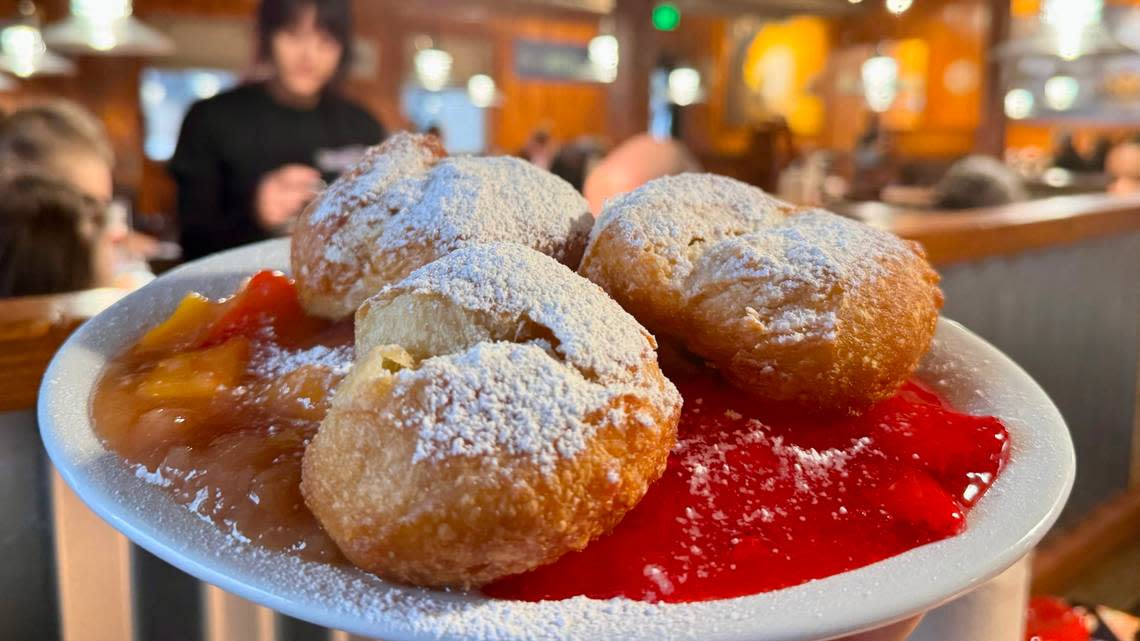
x: 1123, y: 165
x: 305, y: 56
x: 89, y: 174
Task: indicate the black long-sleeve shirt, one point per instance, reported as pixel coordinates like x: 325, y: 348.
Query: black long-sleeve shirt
x: 230, y: 141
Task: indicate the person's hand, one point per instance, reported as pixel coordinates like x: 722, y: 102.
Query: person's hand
x: 283, y: 193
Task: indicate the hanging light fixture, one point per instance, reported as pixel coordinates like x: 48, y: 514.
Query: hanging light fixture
x: 106, y: 27
x: 880, y: 76
x: 1061, y: 92
x: 481, y: 90
x: 684, y: 86
x: 1019, y: 103
x: 1072, y: 22
x: 898, y: 7
x: 23, y: 53
x: 433, y: 68
x: 603, y: 55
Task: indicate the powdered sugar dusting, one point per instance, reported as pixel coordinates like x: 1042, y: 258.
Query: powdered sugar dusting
x: 593, y: 333
x: 274, y: 361
x: 539, y: 396
x: 499, y: 398
x: 424, y: 614
x: 716, y: 232
x: 670, y: 215
x: 487, y: 199
x: 405, y: 203
x: 366, y: 183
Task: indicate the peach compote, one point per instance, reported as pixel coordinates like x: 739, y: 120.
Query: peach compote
x: 217, y: 403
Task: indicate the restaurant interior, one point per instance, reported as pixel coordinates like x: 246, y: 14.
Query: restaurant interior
x: 1003, y: 136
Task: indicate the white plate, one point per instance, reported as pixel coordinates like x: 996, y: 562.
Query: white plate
x: 967, y: 371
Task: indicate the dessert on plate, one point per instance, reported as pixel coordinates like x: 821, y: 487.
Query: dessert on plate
x: 460, y: 409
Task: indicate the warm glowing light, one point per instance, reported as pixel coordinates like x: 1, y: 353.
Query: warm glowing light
x: 684, y: 86
x: 880, y: 82
x: 106, y: 27
x: 433, y: 68
x: 603, y: 55
x: 24, y: 53
x: 960, y: 76
x: 1061, y: 92
x: 22, y: 46
x: 1018, y: 103
x: 1070, y: 20
x: 899, y: 6
x: 481, y: 90
x: 101, y: 10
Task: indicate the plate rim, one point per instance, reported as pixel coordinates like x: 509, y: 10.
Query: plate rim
x: 735, y: 617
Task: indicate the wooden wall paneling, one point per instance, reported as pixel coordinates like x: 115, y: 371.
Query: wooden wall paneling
x: 990, y: 138
x: 566, y: 109
x: 385, y: 30
x: 627, y: 106
x: 955, y: 32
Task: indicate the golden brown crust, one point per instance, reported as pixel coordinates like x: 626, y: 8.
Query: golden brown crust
x: 503, y: 412
x: 406, y: 204
x: 803, y: 307
x: 460, y: 521
x: 333, y: 285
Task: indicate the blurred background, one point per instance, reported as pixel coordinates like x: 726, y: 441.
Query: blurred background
x: 1003, y: 135
x: 760, y: 90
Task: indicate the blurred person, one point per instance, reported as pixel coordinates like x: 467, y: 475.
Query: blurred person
x: 634, y: 163
x: 1123, y: 166
x: 1080, y: 152
x: 63, y: 140
x: 574, y: 160
x: 60, y: 139
x: 873, y: 160
x: 53, y: 238
x: 539, y: 148
x: 248, y: 160
x: 978, y: 181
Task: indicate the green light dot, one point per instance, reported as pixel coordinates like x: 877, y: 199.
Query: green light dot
x: 666, y: 16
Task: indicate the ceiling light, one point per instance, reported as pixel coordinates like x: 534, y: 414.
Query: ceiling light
x: 106, y: 27
x: 481, y: 90
x: 1018, y: 103
x: 603, y: 55
x: 1061, y: 92
x: 433, y: 68
x: 880, y: 76
x: 684, y: 86
x: 23, y: 53
x: 899, y: 6
x: 1071, y: 21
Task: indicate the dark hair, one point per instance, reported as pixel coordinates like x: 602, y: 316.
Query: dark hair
x: 978, y: 181
x: 39, y: 134
x: 575, y: 160
x: 333, y: 16
x: 48, y: 232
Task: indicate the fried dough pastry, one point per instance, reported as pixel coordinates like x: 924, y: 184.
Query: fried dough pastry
x: 406, y: 204
x: 792, y: 305
x: 502, y: 412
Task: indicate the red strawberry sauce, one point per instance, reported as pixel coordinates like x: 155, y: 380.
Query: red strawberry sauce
x: 755, y: 500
